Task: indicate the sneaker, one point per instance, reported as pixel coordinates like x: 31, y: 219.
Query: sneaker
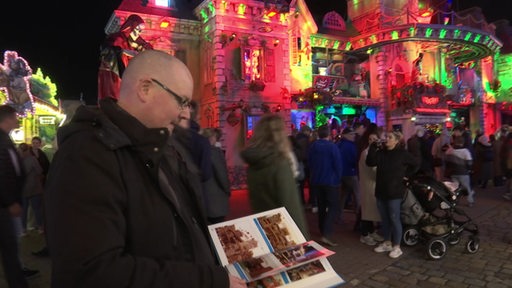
x: 376, y: 237
x: 29, y: 273
x: 314, y: 209
x: 368, y: 240
x: 395, y: 252
x: 383, y: 247
x: 328, y: 242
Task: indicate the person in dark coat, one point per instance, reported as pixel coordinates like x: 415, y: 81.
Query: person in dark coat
x: 11, y: 186
x: 325, y: 179
x: 218, y: 188
x: 123, y: 208
x: 271, y: 172
x: 302, y: 142
x: 393, y: 164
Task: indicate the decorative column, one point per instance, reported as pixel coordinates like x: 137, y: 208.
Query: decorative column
x: 383, y: 90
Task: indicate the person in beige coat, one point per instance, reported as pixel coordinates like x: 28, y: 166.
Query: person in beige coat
x: 369, y: 212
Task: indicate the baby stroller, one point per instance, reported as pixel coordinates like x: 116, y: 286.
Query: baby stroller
x: 430, y: 214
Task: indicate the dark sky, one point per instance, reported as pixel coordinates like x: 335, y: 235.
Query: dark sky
x: 63, y: 37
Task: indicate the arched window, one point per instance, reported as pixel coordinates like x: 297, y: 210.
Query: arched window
x: 333, y: 20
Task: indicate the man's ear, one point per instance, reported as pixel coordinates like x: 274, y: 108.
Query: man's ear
x: 143, y: 88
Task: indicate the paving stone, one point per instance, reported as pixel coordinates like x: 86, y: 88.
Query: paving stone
x: 490, y: 267
x: 437, y: 280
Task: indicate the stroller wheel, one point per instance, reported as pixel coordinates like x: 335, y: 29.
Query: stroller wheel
x: 411, y: 236
x: 473, y: 244
x: 454, y: 239
x: 436, y: 248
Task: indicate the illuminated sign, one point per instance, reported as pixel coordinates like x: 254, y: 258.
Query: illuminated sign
x: 47, y: 120
x: 430, y: 100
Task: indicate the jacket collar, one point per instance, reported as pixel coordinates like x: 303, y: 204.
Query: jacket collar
x: 151, y: 140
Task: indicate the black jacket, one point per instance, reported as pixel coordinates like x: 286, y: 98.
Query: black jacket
x: 392, y: 167
x: 11, y: 181
x: 114, y: 219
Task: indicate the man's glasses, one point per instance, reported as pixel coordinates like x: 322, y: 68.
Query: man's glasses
x: 182, y: 102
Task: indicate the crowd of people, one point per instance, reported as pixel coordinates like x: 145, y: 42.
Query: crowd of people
x: 23, y: 170
x: 343, y: 171
x: 139, y: 179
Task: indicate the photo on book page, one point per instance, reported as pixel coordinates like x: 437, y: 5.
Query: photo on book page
x: 316, y: 274
x: 255, y: 235
x: 278, y: 261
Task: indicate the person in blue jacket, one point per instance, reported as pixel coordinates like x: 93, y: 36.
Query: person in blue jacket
x: 325, y: 178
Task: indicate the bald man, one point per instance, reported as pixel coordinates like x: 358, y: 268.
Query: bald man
x: 117, y: 215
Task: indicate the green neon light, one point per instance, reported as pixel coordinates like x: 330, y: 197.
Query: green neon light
x: 207, y: 28
x: 324, y: 42
x: 505, y: 92
x: 456, y: 33
x: 373, y: 38
x: 428, y: 32
x: 211, y: 8
x: 487, y: 38
x: 348, y: 110
x: 466, y: 38
x: 394, y: 35
x: 442, y: 33
x: 241, y: 9
x: 412, y: 31
x: 320, y: 118
x: 336, y: 44
x: 349, y: 45
x: 477, y: 38
x: 204, y: 15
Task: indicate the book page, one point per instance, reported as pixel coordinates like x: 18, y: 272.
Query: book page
x: 316, y: 274
x: 278, y: 261
x: 254, y: 235
x: 268, y: 250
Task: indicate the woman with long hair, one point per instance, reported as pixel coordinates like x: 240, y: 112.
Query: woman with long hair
x: 393, y: 164
x: 272, y: 170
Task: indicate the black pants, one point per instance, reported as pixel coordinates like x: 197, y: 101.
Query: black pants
x: 367, y: 227
x: 9, y: 250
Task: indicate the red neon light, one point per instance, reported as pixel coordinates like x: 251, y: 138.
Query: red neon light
x: 430, y: 100
x: 431, y: 110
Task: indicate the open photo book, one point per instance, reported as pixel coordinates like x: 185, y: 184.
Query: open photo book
x: 268, y: 250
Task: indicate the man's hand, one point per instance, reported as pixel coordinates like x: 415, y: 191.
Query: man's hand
x: 15, y: 210
x: 235, y: 282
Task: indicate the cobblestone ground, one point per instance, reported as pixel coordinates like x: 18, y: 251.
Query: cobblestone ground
x: 491, y: 266
x: 359, y: 266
